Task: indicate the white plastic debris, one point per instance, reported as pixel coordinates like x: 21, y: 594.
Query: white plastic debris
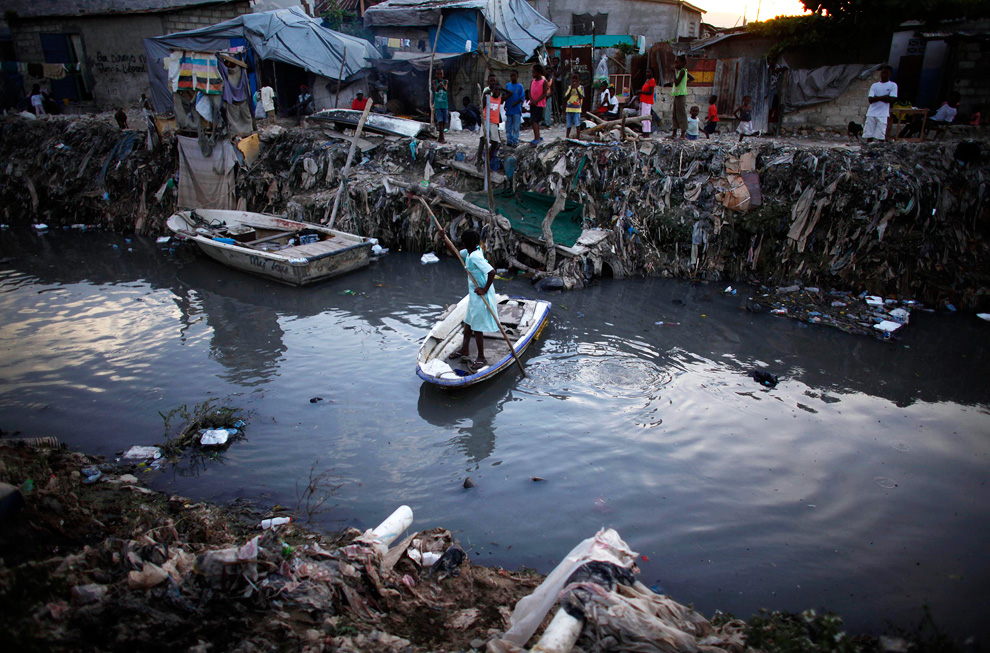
x: 901, y: 315
x: 430, y: 558
x: 887, y: 326
x: 142, y: 453
x: 436, y: 367
x: 429, y: 257
x: 873, y: 300
x: 984, y: 316
x: 274, y: 521
x: 163, y: 240
x: 378, y: 250
x: 41, y: 226
x: 215, y: 437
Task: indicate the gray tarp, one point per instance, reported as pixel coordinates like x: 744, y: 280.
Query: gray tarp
x: 286, y: 35
x: 402, y: 63
x: 521, y: 27
x: 817, y: 85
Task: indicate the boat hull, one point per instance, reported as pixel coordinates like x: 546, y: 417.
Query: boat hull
x: 445, y: 338
x: 375, y: 122
x: 297, y: 266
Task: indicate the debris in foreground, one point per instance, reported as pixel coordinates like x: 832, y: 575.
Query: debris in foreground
x: 112, y: 565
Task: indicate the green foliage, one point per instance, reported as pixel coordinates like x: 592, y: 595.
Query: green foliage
x: 346, y: 22
x: 626, y: 49
x: 182, y: 424
x: 836, y: 24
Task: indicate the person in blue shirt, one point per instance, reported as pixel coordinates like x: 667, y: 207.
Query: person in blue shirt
x: 513, y: 108
x: 478, y: 319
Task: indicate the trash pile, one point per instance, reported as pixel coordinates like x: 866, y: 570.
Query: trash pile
x: 90, y: 559
x: 897, y: 220
x: 861, y: 314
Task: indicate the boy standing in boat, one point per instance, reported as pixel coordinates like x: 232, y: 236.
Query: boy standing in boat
x: 478, y: 319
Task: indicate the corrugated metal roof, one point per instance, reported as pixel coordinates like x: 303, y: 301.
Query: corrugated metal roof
x: 45, y: 8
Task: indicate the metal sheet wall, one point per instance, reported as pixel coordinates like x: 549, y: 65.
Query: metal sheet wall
x: 735, y: 78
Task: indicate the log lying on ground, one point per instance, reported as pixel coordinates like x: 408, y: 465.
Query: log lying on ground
x: 614, y: 123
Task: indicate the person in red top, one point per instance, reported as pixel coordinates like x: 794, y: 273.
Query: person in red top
x: 711, y: 125
x: 359, y: 102
x: 539, y: 88
x: 646, y: 100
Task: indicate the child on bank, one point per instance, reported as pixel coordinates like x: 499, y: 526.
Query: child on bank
x: 711, y: 125
x: 693, y: 125
x: 575, y: 98
x: 745, y: 115
x: 440, y: 107
x: 478, y: 319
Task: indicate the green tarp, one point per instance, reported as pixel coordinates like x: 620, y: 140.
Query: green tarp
x: 526, y: 211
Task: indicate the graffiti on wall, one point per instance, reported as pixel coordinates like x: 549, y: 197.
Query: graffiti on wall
x: 120, y: 64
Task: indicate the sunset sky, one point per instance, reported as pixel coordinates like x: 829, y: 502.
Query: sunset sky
x: 726, y: 13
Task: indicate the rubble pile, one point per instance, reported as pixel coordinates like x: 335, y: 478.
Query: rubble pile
x: 905, y: 221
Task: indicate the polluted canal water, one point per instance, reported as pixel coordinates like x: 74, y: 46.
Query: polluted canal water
x: 857, y: 484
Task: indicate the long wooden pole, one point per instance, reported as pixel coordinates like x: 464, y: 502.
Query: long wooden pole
x: 340, y: 80
x: 486, y: 117
x: 347, y: 165
x: 457, y: 255
x: 430, y: 82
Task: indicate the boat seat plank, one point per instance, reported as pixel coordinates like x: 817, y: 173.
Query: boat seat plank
x: 266, y: 239
x: 315, y: 249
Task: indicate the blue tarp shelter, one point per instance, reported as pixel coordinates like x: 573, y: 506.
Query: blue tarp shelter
x: 285, y: 35
x: 520, y: 26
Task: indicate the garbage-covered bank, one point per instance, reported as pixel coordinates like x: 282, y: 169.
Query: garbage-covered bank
x: 91, y: 559
x: 894, y: 220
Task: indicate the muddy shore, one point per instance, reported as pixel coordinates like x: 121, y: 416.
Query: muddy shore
x: 93, y: 560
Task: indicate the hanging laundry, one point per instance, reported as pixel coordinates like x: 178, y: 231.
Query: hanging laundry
x: 198, y: 72
x: 54, y: 70
x: 206, y: 182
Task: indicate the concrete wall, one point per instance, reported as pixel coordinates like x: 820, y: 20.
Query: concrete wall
x: 968, y: 72
x: 834, y: 115
x: 113, y: 46
x: 181, y: 21
x: 657, y: 21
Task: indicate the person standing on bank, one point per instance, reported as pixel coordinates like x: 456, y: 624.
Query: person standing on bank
x: 573, y: 102
x: 646, y: 101
x: 538, y: 90
x: 513, y: 108
x: 478, y: 320
x: 440, y: 103
x: 679, y: 92
x: 882, y: 95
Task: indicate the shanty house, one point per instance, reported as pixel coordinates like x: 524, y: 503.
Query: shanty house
x: 287, y: 45
x: 406, y: 31
x: 93, y: 50
x: 657, y: 20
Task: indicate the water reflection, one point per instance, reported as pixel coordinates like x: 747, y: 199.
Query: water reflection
x: 471, y: 412
x: 737, y: 494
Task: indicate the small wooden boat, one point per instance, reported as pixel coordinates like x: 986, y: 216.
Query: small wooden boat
x: 523, y: 320
x: 376, y: 122
x: 297, y: 253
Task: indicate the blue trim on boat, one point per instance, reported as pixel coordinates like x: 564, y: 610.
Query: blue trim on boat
x: 492, y: 369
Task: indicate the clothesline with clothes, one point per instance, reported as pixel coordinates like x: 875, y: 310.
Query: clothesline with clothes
x: 41, y: 70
